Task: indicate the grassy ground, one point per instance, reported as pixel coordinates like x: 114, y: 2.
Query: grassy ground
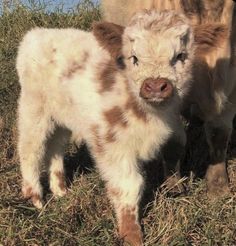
x: 85, y: 217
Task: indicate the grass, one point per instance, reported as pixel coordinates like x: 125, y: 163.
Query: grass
x: 85, y: 216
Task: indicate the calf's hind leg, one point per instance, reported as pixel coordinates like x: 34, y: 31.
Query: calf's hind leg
x: 54, y: 159
x: 34, y: 126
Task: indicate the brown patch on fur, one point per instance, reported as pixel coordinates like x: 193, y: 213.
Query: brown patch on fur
x: 129, y: 229
x: 35, y: 198
x: 114, y: 192
x: 29, y: 194
x: 74, y: 67
x: 107, y: 77
x: 110, y: 136
x: 109, y: 36
x: 98, y: 145
x: 134, y: 107
x: 85, y: 57
x: 52, y: 61
x: 115, y: 116
x: 208, y: 37
x: 61, y: 179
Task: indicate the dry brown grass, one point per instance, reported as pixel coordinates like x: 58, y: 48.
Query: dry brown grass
x: 85, y: 216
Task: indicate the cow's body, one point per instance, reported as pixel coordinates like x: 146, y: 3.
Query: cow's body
x: 213, y: 93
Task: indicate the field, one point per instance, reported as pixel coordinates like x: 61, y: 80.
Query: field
x: 85, y: 217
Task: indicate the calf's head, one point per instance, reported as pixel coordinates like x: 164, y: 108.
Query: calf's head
x: 158, y: 52
x: 154, y: 52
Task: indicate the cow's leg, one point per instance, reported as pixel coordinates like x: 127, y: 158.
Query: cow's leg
x: 218, y: 132
x: 125, y: 188
x: 54, y: 159
x: 34, y: 126
x: 173, y: 153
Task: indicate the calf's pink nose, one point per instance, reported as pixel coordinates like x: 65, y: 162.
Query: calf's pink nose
x: 156, y: 88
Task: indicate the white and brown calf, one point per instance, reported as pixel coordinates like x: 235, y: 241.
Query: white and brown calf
x: 213, y: 93
x: 116, y: 89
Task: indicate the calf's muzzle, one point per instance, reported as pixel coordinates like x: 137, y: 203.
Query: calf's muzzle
x: 160, y: 88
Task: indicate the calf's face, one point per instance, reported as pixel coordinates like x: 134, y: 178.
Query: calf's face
x: 154, y: 52
x: 158, y: 52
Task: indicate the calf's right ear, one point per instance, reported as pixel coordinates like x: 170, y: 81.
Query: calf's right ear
x: 109, y: 36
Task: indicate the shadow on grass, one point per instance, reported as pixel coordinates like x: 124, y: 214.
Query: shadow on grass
x: 195, y: 162
x: 197, y: 152
x: 79, y: 162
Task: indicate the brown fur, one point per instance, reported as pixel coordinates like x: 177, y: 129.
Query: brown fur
x: 29, y: 194
x: 97, y: 139
x: 209, y: 37
x: 129, y: 228
x: 74, y: 67
x: 114, y: 192
x: 35, y: 198
x: 109, y: 37
x: 110, y: 136
x: 115, y: 116
x: 107, y: 77
x: 136, y: 110
x: 61, y: 178
x: 203, y: 10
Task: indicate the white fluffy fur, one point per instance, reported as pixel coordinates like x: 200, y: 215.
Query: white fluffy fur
x: 60, y: 90
x: 213, y: 91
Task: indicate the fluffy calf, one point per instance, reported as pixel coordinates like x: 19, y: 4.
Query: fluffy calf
x: 213, y: 93
x: 116, y: 89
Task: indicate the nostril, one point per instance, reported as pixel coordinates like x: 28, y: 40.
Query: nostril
x: 156, y: 88
x: 163, y: 87
x: 149, y: 87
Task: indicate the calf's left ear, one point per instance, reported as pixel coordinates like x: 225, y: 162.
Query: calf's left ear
x: 109, y: 36
x: 209, y: 37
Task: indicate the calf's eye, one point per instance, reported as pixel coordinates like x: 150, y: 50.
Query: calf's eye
x: 134, y: 59
x: 181, y: 57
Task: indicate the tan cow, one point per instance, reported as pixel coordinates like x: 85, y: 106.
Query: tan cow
x: 213, y: 93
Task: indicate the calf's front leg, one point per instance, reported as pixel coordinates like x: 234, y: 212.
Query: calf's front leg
x: 125, y: 187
